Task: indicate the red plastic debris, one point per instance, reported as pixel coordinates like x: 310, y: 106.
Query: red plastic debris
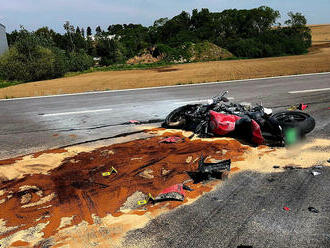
x: 302, y: 106
x: 174, y: 192
x: 172, y: 139
x: 286, y: 209
x: 134, y: 122
x: 174, y: 188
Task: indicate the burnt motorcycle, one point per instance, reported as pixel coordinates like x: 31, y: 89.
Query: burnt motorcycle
x: 222, y: 117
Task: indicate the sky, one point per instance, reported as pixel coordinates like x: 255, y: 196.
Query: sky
x: 33, y: 14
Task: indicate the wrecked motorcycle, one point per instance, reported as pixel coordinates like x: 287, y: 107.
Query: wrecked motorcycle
x: 222, y: 117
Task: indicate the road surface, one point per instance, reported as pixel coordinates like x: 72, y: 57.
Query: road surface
x: 246, y: 210
x: 35, y: 124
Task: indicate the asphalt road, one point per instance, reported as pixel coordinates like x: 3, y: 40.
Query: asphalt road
x: 246, y: 210
x: 34, y: 124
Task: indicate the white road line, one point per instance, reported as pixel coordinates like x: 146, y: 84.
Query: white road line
x: 201, y: 101
x: 78, y: 112
x: 303, y: 91
x: 164, y: 87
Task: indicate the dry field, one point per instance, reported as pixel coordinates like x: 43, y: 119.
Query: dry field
x: 317, y: 60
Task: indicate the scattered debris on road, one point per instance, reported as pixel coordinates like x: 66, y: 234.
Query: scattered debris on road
x: 313, y: 210
x: 286, y: 208
x: 108, y: 173
x: 134, y: 122
x: 292, y: 167
x: 300, y: 106
x: 316, y: 173
x: 211, y: 167
x: 208, y: 171
x: 174, y: 193
x: 173, y: 139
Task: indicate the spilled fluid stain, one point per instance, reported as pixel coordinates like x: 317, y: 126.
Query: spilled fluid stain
x: 78, y: 188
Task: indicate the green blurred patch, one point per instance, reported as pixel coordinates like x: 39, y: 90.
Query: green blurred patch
x: 291, y: 136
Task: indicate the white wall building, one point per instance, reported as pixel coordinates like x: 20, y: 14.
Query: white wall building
x: 3, y: 39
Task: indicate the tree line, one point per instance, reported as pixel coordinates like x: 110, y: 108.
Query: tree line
x: 252, y: 33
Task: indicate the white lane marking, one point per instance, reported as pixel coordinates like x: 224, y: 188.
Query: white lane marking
x: 164, y: 87
x: 303, y: 91
x: 201, y: 101
x: 77, y: 112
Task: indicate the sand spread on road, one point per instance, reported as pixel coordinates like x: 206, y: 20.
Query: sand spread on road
x: 72, y: 203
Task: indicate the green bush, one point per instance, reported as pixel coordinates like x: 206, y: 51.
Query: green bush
x: 249, y: 48
x: 79, y: 61
x: 61, y: 63
x: 174, y: 54
x: 15, y: 66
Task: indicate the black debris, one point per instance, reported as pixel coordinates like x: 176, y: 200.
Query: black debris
x: 291, y: 167
x: 185, y: 187
x: 276, y: 166
x: 209, y: 171
x: 271, y: 179
x: 313, y: 210
x: 210, y: 167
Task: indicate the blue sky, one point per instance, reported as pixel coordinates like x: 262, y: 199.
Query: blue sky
x: 33, y: 14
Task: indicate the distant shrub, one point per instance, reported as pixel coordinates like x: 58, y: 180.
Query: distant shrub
x: 180, y: 53
x: 14, y: 66
x: 79, y: 61
x: 61, y: 62
x: 246, y: 48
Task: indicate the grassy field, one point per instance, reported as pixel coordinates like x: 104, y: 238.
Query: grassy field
x: 317, y: 60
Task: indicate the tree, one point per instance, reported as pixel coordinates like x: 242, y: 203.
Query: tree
x: 69, y: 33
x: 296, y: 20
x: 78, y: 30
x: 83, y: 32
x: 160, y: 22
x: 98, y: 30
x: 89, y: 31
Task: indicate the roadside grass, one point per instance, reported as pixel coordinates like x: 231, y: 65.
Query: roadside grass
x: 4, y: 84
x: 121, y: 67
x: 128, y: 67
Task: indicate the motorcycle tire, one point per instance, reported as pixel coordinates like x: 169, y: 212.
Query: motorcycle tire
x: 295, y: 119
x: 176, y: 118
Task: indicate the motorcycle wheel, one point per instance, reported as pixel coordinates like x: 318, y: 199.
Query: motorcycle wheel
x: 176, y: 119
x: 295, y: 119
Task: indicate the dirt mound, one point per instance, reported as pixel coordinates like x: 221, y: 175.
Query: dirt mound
x: 146, y: 57
x: 206, y: 51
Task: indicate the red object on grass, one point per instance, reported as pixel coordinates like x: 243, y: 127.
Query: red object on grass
x: 286, y: 209
x: 172, y: 139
